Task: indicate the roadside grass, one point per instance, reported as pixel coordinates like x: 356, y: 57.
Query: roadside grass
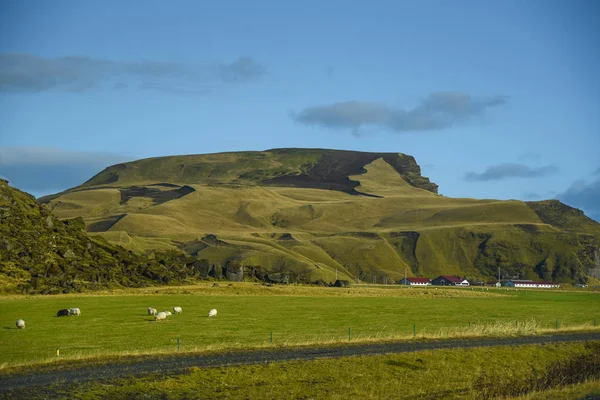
x: 583, y: 391
x: 448, y: 374
x: 118, y: 324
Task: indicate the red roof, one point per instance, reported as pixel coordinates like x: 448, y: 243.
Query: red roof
x: 418, y: 280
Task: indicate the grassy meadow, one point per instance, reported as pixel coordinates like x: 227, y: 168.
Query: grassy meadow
x: 420, y: 375
x: 116, y: 324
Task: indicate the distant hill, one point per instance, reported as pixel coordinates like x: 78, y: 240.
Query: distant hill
x: 318, y: 214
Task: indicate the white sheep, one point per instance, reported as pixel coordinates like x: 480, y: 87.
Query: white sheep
x: 212, y: 313
x: 20, y: 324
x: 74, y: 311
x: 160, y: 316
x: 177, y: 310
x: 152, y: 311
x: 168, y: 313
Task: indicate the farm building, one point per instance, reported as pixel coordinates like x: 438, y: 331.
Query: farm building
x: 530, y: 284
x: 415, y: 281
x: 494, y: 283
x: 449, y: 280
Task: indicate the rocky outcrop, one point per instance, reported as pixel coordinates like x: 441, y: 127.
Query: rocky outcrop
x: 233, y: 271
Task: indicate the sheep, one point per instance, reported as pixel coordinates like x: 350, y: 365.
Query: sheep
x: 62, y: 313
x: 20, y: 324
x: 177, y: 310
x: 212, y: 313
x: 152, y: 311
x: 74, y: 311
x: 160, y: 316
x: 168, y: 313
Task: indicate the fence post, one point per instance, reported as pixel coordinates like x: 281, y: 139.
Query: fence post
x: 348, y: 334
x: 271, y: 338
x: 57, y: 352
x: 178, y: 344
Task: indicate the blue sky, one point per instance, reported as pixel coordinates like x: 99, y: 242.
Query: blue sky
x: 495, y: 99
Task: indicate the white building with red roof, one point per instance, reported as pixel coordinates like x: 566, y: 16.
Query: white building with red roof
x: 449, y: 280
x: 416, y: 281
x: 525, y: 283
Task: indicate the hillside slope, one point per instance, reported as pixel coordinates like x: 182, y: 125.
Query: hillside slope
x: 41, y: 254
x: 318, y: 214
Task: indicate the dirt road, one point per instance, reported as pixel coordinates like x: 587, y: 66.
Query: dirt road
x: 178, y: 363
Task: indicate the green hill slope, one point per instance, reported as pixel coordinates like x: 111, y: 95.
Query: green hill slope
x: 316, y: 213
x: 42, y: 254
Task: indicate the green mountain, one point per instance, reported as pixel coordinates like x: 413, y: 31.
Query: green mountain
x: 41, y: 254
x: 317, y: 214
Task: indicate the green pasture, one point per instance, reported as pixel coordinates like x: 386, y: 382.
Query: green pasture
x: 119, y: 324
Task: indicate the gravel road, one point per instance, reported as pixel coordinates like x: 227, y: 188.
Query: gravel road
x: 178, y: 363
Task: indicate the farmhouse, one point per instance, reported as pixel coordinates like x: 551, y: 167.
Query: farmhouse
x: 494, y: 283
x: 530, y: 284
x: 450, y: 280
x: 415, y: 281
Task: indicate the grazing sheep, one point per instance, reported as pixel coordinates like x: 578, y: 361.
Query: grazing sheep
x: 160, y: 316
x: 212, y: 313
x: 20, y: 324
x: 62, y: 313
x: 168, y: 312
x: 177, y: 310
x: 152, y: 311
x: 74, y: 311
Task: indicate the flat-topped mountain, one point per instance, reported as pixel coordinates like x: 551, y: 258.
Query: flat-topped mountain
x: 301, y: 168
x: 313, y: 213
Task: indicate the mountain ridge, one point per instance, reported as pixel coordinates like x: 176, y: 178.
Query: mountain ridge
x: 308, y: 168
x: 357, y: 213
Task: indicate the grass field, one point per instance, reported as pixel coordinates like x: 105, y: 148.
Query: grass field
x: 421, y: 375
x: 118, y: 324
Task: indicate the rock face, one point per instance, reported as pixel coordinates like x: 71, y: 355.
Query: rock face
x: 234, y: 272
x: 216, y: 271
x: 341, y: 283
x: 595, y: 269
x: 278, y: 277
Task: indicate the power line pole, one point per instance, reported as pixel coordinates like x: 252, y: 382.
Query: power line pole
x: 499, y: 279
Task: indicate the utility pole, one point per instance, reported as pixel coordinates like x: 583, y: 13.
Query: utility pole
x: 336, y: 274
x: 405, y: 275
x: 499, y: 279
